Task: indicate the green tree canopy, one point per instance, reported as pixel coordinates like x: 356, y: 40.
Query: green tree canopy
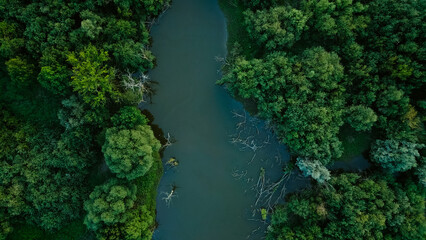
x: 276, y: 28
x: 91, y: 78
x: 395, y: 156
x: 21, y: 72
x: 361, y: 118
x: 130, y: 153
x: 108, y: 204
x: 354, y: 207
x: 128, y: 117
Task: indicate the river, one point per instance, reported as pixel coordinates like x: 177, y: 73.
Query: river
x: 220, y: 148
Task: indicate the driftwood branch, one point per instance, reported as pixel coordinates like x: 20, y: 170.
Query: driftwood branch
x: 269, y: 194
x: 168, y: 196
x: 169, y: 141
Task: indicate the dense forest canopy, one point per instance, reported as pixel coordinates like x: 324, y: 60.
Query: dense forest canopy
x: 315, y: 67
x: 65, y: 116
x: 325, y: 73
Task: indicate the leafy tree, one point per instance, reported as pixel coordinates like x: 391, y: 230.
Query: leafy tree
x: 128, y: 117
x: 20, y: 71
x: 395, y: 156
x: 136, y: 227
x: 334, y: 20
x: 301, y: 94
x: 10, y: 43
x: 421, y: 171
x: 5, y: 228
x: 91, y: 78
x: 361, y: 118
x: 47, y: 150
x: 131, y: 55
x: 130, y: 153
x: 55, y: 79
x: 91, y: 25
x: 108, y: 204
x: 314, y: 169
x: 354, y: 207
x: 276, y: 28
x: 392, y: 102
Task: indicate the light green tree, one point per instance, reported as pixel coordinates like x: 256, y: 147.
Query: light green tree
x: 361, y: 118
x: 130, y: 153
x: 92, y: 78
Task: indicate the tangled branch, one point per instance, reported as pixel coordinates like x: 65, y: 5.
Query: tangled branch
x: 168, y: 197
x: 269, y: 194
x: 137, y: 83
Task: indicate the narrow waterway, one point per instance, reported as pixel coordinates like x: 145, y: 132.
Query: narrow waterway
x: 219, y: 147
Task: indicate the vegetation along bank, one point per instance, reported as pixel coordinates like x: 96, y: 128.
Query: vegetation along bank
x: 78, y: 160
x: 338, y: 78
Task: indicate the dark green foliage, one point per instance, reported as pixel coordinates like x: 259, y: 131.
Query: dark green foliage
x: 10, y: 43
x: 421, y: 171
x: 353, y: 208
x: 55, y: 79
x: 61, y: 65
x: 276, y: 28
x: 20, y: 71
x: 5, y: 227
x: 361, y: 118
x: 141, y: 222
x: 73, y: 231
x: 128, y: 117
x: 136, y: 227
x: 109, y: 203
x: 322, y: 63
x: 130, y: 153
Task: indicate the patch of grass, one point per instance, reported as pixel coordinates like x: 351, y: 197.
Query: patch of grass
x: 354, y: 143
x: 237, y: 33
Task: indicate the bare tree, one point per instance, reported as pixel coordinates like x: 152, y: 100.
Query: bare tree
x: 138, y: 83
x: 169, y: 141
x: 168, y: 196
x: 151, y: 22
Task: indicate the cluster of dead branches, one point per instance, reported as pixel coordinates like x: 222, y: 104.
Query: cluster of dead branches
x: 245, y: 136
x: 138, y: 83
x: 151, y: 22
x: 168, y: 196
x: 169, y: 141
x: 268, y: 193
x: 239, y: 174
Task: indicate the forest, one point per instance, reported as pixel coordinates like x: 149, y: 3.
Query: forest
x: 337, y: 78
x: 333, y: 79
x: 78, y: 159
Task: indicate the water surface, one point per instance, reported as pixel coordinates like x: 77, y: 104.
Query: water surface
x: 214, y: 179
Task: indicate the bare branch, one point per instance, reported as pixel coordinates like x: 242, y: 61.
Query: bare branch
x: 138, y: 83
x: 168, y: 197
x: 169, y: 141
